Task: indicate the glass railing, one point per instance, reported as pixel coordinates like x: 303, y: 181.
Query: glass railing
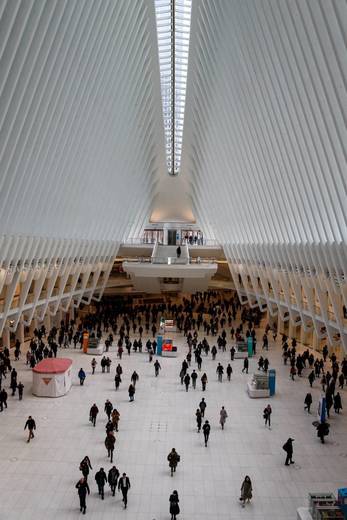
x: 170, y: 260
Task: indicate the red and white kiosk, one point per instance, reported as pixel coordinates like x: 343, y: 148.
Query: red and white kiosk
x: 52, y: 377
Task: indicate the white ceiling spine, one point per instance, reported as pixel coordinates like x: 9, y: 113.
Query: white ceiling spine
x: 265, y: 139
x: 81, y: 134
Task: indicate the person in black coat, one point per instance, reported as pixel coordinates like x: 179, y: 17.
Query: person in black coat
x: 83, y: 489
x: 245, y: 365
x: 174, y: 507
x: 322, y: 430
x: 101, y: 479
x: 124, y: 486
x: 112, y: 478
x: 206, y: 431
x: 31, y: 425
x: 288, y: 448
x: 308, y: 402
x: 337, y: 403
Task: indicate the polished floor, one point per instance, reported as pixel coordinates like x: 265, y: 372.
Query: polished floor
x: 37, y: 480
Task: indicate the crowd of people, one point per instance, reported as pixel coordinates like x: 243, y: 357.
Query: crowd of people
x: 208, y: 322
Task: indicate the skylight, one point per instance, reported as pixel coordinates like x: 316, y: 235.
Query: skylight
x: 173, y: 29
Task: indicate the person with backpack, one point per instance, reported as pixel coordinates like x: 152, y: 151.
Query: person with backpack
x: 173, y: 459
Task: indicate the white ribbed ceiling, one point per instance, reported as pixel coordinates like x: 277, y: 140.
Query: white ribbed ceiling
x: 81, y: 141
x: 82, y: 148
x: 265, y: 141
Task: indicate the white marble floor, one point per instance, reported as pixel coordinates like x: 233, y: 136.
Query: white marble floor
x: 37, y: 480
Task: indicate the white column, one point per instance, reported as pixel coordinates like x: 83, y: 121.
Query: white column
x: 20, y: 332
x: 6, y: 337
x: 47, y: 322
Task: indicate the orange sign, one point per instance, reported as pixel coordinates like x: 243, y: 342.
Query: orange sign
x: 85, y: 341
x: 46, y: 380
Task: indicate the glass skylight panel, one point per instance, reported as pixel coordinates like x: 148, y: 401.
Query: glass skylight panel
x: 173, y: 45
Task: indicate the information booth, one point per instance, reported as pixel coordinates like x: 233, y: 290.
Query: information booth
x: 52, y: 377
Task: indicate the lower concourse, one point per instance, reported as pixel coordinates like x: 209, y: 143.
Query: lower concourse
x: 37, y: 480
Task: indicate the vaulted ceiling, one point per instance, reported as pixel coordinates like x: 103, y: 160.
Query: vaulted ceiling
x: 82, y: 146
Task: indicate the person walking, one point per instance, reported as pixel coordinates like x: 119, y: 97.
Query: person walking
x: 101, y: 480
x: 194, y: 377
x: 85, y: 466
x: 81, y: 376
x: 93, y: 364
x: 202, y: 406
x: 115, y: 416
x: 157, y: 367
x: 267, y: 415
x: 134, y: 378
x: 204, y: 381
x: 109, y: 444
x: 311, y: 378
x: 93, y: 413
x: 124, y: 486
x: 3, y: 399
x: 187, y: 381
x: 173, y: 459
x: 206, y: 431
x: 108, y: 409
x: 288, y: 448
x: 245, y: 365
x: 198, y: 416
x: 229, y: 371
x: 178, y: 252
x: 246, y: 491
x: 174, y: 505
x: 308, y: 402
x: 222, y: 417
x: 131, y: 392
x: 83, y: 489
x: 117, y: 381
x: 31, y: 425
x: 20, y: 388
x: 337, y: 402
x: 112, y: 478
x: 220, y: 371
x: 322, y: 431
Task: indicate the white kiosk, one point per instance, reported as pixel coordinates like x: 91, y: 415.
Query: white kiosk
x: 52, y: 377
